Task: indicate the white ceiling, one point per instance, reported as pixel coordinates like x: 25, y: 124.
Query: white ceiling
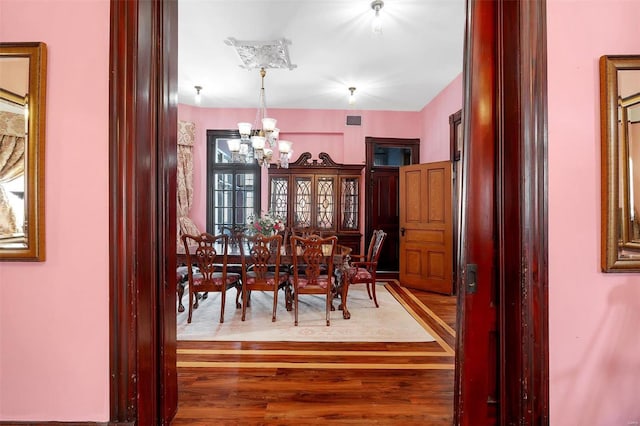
x: 419, y: 52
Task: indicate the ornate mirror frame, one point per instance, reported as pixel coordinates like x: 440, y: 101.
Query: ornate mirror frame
x: 28, y: 245
x: 619, y: 91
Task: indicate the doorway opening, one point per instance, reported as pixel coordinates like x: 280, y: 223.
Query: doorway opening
x: 384, y: 156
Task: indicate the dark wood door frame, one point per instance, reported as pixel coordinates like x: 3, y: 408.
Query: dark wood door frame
x: 142, y: 204
x: 142, y: 228
x: 370, y: 143
x: 455, y: 120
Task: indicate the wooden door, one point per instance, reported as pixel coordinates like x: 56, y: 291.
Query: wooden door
x: 426, y: 233
x: 384, y: 156
x: 385, y: 207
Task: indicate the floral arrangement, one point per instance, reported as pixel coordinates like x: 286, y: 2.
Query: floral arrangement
x: 267, y: 224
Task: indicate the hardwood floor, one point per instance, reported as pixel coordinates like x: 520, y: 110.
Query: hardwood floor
x: 302, y: 383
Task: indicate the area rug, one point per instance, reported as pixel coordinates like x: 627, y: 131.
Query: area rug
x: 391, y: 322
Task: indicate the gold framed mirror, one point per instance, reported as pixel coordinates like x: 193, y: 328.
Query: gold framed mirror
x: 22, y: 122
x: 620, y: 123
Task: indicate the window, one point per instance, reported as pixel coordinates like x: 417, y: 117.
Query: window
x: 233, y: 189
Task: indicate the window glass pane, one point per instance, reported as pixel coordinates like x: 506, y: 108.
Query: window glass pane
x: 223, y: 200
x: 223, y: 154
x: 245, y: 197
x: 235, y: 198
x: 391, y: 156
x: 233, y: 186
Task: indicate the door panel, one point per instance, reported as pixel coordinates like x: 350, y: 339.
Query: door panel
x: 385, y: 217
x: 426, y: 239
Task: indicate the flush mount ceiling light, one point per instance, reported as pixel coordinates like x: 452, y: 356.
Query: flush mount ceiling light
x: 376, y: 24
x: 352, y: 97
x: 198, y: 97
x: 262, y: 54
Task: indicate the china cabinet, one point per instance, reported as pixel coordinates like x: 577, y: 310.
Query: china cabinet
x: 320, y: 196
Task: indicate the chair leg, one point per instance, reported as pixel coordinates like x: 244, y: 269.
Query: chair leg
x: 328, y: 309
x: 368, y: 290
x: 180, y: 294
x: 375, y: 299
x: 222, y: 301
x: 190, y: 305
x: 245, y: 296
x: 295, y: 306
x: 288, y: 297
x: 275, y: 303
x: 238, y: 290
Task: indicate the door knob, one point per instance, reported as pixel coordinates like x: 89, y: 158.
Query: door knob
x: 402, y: 231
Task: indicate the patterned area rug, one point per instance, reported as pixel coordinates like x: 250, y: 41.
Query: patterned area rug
x: 391, y: 322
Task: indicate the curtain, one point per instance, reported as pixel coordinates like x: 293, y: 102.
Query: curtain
x: 12, y: 162
x: 186, y: 138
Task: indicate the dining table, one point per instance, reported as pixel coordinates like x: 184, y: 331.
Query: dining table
x: 341, y: 259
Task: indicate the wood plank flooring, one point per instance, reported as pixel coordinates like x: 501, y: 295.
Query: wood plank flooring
x: 304, y: 383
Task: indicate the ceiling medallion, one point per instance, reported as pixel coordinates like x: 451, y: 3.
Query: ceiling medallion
x: 262, y: 54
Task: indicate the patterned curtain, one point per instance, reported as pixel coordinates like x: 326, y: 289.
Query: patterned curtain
x: 11, y: 164
x: 186, y: 138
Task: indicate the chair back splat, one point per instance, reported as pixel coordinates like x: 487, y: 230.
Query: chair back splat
x: 207, y: 269
x: 313, y: 268
x: 261, y: 269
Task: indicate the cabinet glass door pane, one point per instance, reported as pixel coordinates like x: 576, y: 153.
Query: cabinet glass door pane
x: 325, y: 202
x: 279, y: 196
x: 350, y: 211
x: 302, y: 207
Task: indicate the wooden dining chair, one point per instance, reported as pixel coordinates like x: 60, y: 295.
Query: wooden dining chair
x: 208, y: 253
x: 261, y: 268
x: 363, y: 271
x: 313, y: 268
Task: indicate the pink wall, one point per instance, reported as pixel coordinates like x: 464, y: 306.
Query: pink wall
x: 594, y: 353
x: 314, y: 131
x: 54, y: 322
x: 435, y: 139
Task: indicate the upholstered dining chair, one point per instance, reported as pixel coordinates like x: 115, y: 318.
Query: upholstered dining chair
x: 363, y: 271
x: 313, y: 268
x: 261, y: 268
x: 209, y: 254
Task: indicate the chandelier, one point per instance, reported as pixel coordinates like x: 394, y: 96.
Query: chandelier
x: 258, y: 140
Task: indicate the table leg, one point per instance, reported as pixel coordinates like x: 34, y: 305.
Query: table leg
x: 288, y: 297
x: 343, y: 297
x: 180, y: 294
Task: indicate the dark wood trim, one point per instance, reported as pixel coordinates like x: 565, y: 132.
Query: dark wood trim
x: 370, y: 141
x: 143, y: 133
x: 454, y: 120
x: 121, y: 126
x: 476, y: 378
x: 523, y: 210
x: 67, y: 423
x: 138, y: 167
x: 167, y: 208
